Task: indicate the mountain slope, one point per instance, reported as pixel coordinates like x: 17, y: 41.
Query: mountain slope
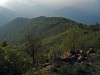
x: 6, y: 15
x: 75, y: 37
x: 55, y: 33
x: 42, y: 26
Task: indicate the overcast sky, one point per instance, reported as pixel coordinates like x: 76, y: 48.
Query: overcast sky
x: 48, y: 3
x: 37, y: 6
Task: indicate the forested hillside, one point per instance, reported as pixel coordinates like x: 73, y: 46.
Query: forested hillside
x: 49, y: 46
x: 41, y: 26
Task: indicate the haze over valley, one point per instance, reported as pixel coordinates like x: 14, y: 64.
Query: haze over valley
x: 85, y: 11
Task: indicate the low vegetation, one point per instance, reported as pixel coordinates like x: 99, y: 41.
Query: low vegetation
x: 49, y: 46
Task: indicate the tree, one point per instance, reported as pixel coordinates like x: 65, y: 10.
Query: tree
x: 13, y: 61
x: 4, y: 44
x: 32, y: 47
x: 97, y: 24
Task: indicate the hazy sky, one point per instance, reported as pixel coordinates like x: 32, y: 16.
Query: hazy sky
x: 37, y: 6
x: 49, y: 3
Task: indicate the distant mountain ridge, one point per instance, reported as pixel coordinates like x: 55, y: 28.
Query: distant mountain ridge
x: 79, y: 15
x: 6, y: 15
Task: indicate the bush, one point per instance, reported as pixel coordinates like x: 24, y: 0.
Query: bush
x: 13, y: 61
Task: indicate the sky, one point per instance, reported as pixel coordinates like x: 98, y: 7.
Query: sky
x: 48, y: 3
x: 37, y: 6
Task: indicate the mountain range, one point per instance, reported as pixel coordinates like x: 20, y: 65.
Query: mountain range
x: 80, y: 15
x: 51, y: 39
x: 55, y: 34
x: 42, y: 26
x: 6, y: 15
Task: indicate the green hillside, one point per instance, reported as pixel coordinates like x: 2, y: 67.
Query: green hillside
x: 49, y: 46
x: 41, y: 26
x: 73, y: 38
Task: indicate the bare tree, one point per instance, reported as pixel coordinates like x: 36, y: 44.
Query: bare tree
x: 32, y: 47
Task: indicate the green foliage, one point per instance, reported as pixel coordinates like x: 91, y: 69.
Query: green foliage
x: 77, y: 69
x: 74, y: 38
x: 44, y: 26
x: 4, y: 44
x: 13, y: 61
x: 47, y: 38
